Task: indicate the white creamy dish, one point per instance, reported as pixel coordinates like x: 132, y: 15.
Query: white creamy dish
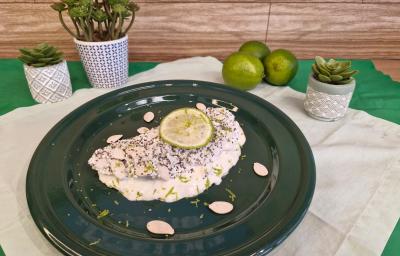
x: 146, y: 168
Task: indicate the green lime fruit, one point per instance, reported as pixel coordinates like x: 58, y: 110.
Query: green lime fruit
x: 256, y: 48
x: 280, y: 67
x: 187, y: 128
x: 242, y: 71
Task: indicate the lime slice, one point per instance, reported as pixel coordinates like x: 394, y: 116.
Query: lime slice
x: 186, y: 128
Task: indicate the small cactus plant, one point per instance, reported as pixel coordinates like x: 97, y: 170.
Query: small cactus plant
x: 41, y: 56
x: 332, y: 71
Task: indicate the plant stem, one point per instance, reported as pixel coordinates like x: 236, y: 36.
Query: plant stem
x: 90, y: 23
x: 84, y: 29
x: 120, y: 24
x: 106, y: 28
x: 130, y: 23
x: 101, y: 32
x: 65, y: 26
x: 89, y: 29
x: 113, y: 21
x: 76, y: 27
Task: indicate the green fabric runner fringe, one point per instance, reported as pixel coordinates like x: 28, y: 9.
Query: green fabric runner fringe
x: 376, y: 94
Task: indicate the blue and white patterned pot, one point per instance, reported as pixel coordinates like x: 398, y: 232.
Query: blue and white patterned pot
x: 105, y: 63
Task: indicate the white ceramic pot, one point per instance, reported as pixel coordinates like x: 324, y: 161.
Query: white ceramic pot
x: 49, y: 84
x: 327, y: 102
x: 105, y: 63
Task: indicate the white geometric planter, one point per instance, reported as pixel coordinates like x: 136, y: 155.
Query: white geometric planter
x: 49, y: 84
x: 105, y: 63
x: 327, y: 102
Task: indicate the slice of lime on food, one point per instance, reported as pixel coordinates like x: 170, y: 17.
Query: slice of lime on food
x: 187, y: 128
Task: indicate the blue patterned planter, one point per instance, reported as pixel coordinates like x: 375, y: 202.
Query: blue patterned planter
x: 105, y: 63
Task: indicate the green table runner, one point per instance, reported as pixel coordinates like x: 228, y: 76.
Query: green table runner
x: 375, y: 93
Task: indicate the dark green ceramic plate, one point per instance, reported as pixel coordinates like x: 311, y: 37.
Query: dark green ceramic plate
x: 65, y: 195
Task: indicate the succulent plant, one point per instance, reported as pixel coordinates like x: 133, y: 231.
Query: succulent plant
x: 332, y: 71
x: 97, y: 20
x: 41, y: 56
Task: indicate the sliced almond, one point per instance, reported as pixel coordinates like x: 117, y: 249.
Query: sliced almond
x: 201, y: 106
x: 148, y: 117
x: 142, y: 130
x: 221, y: 207
x: 260, y: 169
x: 114, y: 138
x: 159, y: 227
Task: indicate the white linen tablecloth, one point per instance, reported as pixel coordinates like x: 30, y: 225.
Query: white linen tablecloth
x: 357, y: 197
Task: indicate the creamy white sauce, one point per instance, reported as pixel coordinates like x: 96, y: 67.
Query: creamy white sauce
x: 146, y: 168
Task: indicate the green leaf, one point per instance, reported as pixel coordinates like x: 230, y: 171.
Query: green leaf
x: 320, y: 61
x: 57, y: 54
x: 119, y: 8
x: 324, y: 79
x: 37, y: 54
x: 42, y: 46
x: 349, y: 74
x: 51, y: 51
x: 25, y: 51
x: 99, y: 15
x: 39, y: 65
x: 346, y: 81
x: 315, y: 69
x: 78, y: 12
x: 126, y: 14
x: 59, y: 7
x: 45, y: 59
x: 331, y: 62
x: 323, y: 70
x: 335, y: 78
x: 343, y: 66
x: 132, y: 6
x: 56, y: 61
x: 26, y: 59
x: 321, y: 64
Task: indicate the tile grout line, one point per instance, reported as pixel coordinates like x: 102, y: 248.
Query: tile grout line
x: 269, y: 15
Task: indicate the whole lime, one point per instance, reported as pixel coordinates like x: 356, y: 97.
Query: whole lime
x: 256, y: 48
x: 242, y: 71
x: 280, y: 67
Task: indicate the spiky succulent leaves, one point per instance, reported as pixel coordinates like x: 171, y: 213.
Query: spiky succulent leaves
x: 79, y: 12
x: 119, y: 8
x: 99, y: 15
x: 332, y: 71
x: 41, y: 56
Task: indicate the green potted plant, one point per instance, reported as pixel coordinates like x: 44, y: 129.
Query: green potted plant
x: 46, y: 72
x: 330, y: 88
x: 99, y: 28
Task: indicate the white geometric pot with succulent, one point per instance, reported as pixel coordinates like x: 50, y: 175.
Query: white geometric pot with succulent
x: 47, y: 73
x: 330, y: 88
x: 105, y: 63
x: 100, y: 32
